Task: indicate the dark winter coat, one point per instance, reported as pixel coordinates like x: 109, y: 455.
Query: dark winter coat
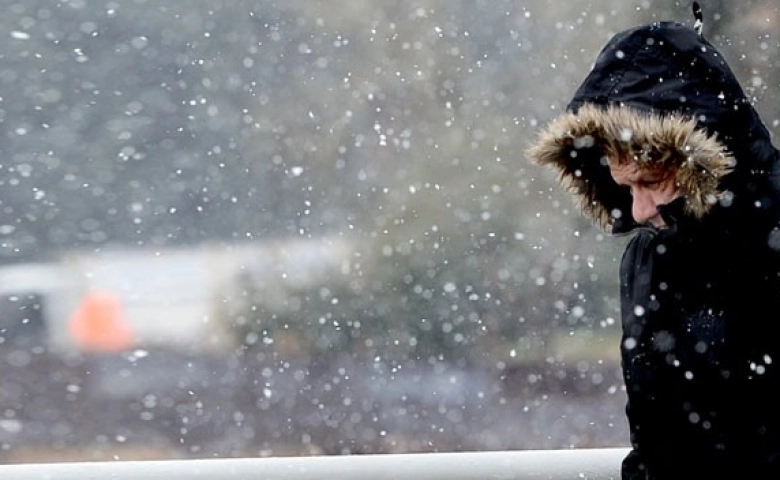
x: 700, y: 299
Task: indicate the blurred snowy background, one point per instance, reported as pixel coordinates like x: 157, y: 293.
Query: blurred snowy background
x: 241, y: 228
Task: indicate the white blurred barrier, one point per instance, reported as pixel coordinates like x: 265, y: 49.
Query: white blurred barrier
x: 588, y: 464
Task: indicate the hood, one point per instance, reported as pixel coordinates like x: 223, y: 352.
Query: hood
x: 577, y: 145
x: 664, y: 96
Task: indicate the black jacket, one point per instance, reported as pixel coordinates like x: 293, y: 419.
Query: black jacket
x: 700, y: 299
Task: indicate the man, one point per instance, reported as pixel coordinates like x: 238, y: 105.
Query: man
x: 660, y: 142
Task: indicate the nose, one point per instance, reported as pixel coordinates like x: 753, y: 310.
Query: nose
x: 643, y: 208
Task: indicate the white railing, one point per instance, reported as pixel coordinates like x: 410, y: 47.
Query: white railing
x: 586, y: 464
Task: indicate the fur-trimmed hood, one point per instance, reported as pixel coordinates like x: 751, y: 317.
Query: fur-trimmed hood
x: 664, y: 97
x: 577, y: 145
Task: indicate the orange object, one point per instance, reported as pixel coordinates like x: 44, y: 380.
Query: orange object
x: 99, y: 325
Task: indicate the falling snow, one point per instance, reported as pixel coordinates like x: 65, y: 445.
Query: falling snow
x: 257, y: 228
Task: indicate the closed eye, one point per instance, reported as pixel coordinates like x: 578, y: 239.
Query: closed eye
x: 649, y: 184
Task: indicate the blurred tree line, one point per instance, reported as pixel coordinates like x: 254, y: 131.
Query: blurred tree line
x: 401, y: 124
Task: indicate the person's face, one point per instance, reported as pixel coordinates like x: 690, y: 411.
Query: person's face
x: 649, y: 189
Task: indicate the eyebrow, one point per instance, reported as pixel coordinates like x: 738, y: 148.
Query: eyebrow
x: 641, y: 176
x: 646, y: 176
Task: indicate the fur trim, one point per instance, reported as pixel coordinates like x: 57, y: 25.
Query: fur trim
x: 577, y: 146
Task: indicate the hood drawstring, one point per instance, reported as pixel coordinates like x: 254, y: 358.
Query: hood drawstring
x: 698, y: 24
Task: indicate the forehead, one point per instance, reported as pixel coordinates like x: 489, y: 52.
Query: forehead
x: 631, y: 172
x: 623, y: 168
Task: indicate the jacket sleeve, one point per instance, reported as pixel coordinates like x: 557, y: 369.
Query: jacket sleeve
x: 633, y: 468
x: 632, y: 266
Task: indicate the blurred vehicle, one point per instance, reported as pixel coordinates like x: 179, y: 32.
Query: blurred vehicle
x: 113, y: 300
